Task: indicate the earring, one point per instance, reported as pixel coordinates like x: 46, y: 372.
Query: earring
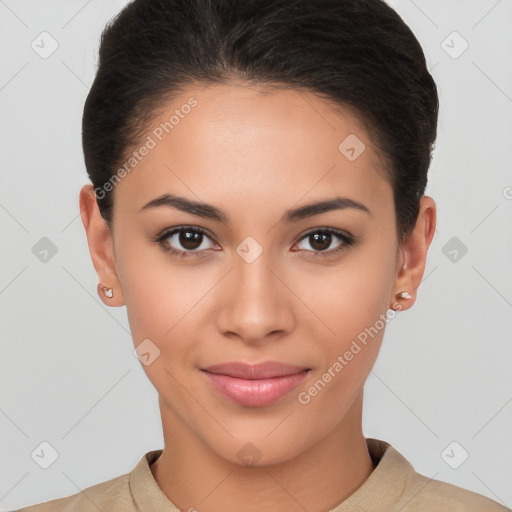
x: 109, y: 292
x: 400, y: 295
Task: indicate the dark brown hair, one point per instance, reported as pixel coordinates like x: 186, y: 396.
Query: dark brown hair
x: 359, y: 54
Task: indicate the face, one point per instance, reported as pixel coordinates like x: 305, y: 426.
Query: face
x: 245, y: 281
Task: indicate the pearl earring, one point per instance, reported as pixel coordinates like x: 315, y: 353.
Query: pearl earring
x: 109, y: 292
x: 400, y: 295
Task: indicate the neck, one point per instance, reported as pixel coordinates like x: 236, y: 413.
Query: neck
x: 317, y: 479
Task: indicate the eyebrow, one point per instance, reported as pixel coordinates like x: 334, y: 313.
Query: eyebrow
x: 208, y: 211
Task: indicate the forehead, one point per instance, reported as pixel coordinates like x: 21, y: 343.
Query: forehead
x: 254, y: 143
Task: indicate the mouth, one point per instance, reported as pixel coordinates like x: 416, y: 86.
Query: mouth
x: 255, y: 385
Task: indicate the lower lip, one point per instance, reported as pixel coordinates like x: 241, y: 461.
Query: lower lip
x: 257, y: 392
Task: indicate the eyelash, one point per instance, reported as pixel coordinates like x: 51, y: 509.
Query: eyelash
x: 347, y: 241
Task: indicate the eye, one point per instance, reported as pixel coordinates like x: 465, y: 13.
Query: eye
x: 192, y: 241
x: 321, y: 239
x: 189, y: 240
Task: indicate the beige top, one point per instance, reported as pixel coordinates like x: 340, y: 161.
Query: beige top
x: 394, y: 485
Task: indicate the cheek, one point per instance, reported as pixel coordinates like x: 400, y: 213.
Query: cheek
x: 166, y: 306
x: 351, y: 302
x: 151, y: 308
x: 158, y: 316
x: 349, y: 297
x: 340, y: 300
x: 155, y: 293
x: 353, y: 321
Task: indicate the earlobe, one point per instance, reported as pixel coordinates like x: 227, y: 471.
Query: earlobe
x: 99, y: 240
x: 108, y: 292
x: 414, y: 255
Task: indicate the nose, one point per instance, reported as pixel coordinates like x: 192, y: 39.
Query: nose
x: 256, y: 305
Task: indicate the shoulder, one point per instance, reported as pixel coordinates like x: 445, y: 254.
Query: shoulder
x: 438, y: 495
x: 112, y: 495
x: 398, y: 486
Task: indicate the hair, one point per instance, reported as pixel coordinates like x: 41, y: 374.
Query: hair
x: 359, y: 54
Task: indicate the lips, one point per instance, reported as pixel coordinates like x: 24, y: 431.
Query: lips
x: 255, y: 371
x: 255, y: 385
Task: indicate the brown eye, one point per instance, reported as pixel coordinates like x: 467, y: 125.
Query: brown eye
x: 185, y: 241
x: 190, y: 240
x: 321, y: 239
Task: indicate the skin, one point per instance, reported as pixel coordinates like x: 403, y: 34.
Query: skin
x: 255, y: 153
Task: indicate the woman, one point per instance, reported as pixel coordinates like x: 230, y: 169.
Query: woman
x: 257, y: 202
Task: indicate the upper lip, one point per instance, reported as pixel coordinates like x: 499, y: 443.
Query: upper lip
x: 265, y: 370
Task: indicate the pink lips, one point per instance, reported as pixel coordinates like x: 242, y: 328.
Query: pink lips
x: 255, y: 385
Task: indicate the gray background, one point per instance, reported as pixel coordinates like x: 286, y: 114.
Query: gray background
x: 68, y: 375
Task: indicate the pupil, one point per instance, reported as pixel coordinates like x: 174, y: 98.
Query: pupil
x: 326, y: 239
x: 188, y: 239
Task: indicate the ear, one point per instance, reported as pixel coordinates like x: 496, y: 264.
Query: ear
x: 101, y: 246
x: 413, y: 255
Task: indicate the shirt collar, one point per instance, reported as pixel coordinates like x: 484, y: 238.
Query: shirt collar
x: 386, y: 485
x: 145, y: 491
x: 381, y: 489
